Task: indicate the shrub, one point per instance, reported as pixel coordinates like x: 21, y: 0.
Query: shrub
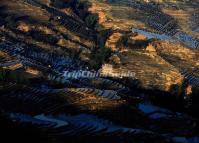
x: 102, y: 36
x: 122, y: 41
x: 99, y: 57
x: 82, y: 9
x: 91, y: 20
x: 3, y: 74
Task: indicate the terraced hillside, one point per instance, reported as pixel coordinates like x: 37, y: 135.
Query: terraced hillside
x: 144, y: 55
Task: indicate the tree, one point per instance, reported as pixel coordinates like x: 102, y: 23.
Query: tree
x: 3, y: 74
x: 99, y: 57
x: 91, y: 20
x: 82, y: 9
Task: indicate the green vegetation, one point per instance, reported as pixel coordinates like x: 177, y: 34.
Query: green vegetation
x: 82, y: 9
x: 101, y: 54
x: 102, y: 36
x: 91, y: 20
x: 99, y: 57
x: 3, y: 74
x: 122, y: 41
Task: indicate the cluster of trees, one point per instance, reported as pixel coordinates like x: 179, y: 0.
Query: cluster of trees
x: 82, y: 9
x: 101, y: 54
x: 92, y: 20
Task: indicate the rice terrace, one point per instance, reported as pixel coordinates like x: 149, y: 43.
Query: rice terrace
x: 99, y: 71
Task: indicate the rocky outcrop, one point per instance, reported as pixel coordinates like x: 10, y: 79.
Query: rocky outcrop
x: 150, y: 48
x: 23, y: 27
x: 115, y: 59
x: 112, y: 41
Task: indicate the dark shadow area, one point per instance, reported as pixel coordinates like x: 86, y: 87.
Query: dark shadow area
x: 11, y: 132
x: 23, y: 99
